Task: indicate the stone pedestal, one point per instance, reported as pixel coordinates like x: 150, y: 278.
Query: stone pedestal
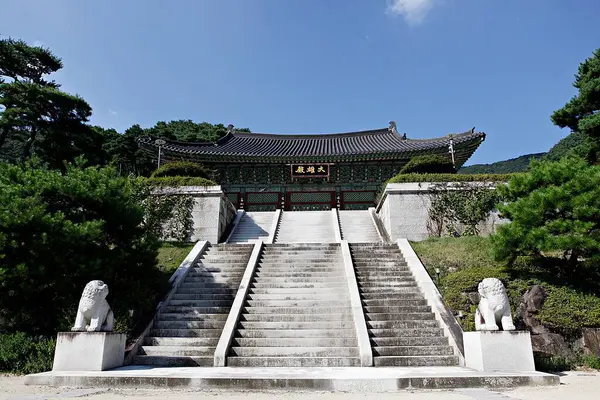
x: 88, y: 351
x: 498, y: 351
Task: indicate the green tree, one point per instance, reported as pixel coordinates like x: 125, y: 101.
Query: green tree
x: 36, y: 117
x: 582, y: 112
x: 60, y: 230
x: 554, y: 210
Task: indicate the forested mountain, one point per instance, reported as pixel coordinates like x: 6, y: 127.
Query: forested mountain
x: 518, y: 164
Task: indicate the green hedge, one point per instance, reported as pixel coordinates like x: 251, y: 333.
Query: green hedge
x: 406, y: 178
x: 428, y: 164
x: 175, y: 181
x: 182, y: 168
x: 24, y: 354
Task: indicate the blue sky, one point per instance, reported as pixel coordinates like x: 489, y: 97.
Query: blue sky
x: 312, y: 66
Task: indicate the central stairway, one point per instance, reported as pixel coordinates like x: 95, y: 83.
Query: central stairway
x: 402, y: 328
x: 297, y: 312
x: 305, y: 227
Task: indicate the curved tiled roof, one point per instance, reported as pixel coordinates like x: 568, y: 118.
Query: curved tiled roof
x: 377, y: 144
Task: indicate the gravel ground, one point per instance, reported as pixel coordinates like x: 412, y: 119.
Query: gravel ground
x: 574, y: 386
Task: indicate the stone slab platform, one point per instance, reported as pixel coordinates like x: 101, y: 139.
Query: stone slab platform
x: 322, y: 379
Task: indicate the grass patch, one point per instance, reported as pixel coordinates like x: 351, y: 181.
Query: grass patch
x: 172, y: 254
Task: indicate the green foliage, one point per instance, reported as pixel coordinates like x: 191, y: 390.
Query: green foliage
x: 36, y: 117
x: 23, y: 354
x: 582, y: 112
x: 574, y: 144
x: 570, y: 309
x: 552, y: 364
x: 573, y: 300
x: 176, y: 181
x: 428, y: 164
x: 553, y: 208
x: 405, y: 178
x: 172, y: 254
x: 60, y: 230
x: 458, y: 208
x: 519, y: 164
x: 182, y: 168
x: 591, y: 362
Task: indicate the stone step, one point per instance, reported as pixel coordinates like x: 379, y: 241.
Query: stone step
x: 331, y: 333
x: 393, y: 295
x: 191, y: 317
x: 296, y: 317
x: 399, y: 317
x: 394, y: 302
x: 189, y: 288
x: 189, y: 324
x: 296, y: 310
x: 420, y: 361
x: 402, y: 324
x: 196, y: 310
x: 372, y: 278
x: 203, y: 282
x: 285, y: 325
x: 282, y: 289
x: 397, y: 309
x: 174, y: 351
x: 370, y: 292
x: 296, y: 296
x: 181, y: 341
x: 191, y: 296
x: 272, y: 252
x: 174, y: 332
x: 297, y: 303
x: 413, y: 351
x: 200, y: 303
x: 323, y: 267
x: 314, y: 275
x: 293, y: 362
x: 288, y: 283
x: 295, y: 342
x: 180, y: 361
x: 409, y: 341
x: 294, y: 351
x: 406, y: 332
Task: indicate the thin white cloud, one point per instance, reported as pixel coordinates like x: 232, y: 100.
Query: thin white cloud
x: 38, y: 43
x: 112, y: 112
x: 413, y: 11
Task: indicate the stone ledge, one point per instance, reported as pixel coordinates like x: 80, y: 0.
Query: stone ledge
x: 372, y: 380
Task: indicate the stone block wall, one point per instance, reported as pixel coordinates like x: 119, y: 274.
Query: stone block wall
x: 212, y: 211
x: 404, y: 212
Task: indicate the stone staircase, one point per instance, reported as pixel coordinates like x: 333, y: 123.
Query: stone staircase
x: 187, y: 329
x: 402, y: 328
x: 305, y: 227
x: 252, y: 226
x: 297, y: 312
x: 358, y: 227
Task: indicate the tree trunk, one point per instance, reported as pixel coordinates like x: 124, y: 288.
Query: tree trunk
x: 29, y: 144
x: 573, y: 258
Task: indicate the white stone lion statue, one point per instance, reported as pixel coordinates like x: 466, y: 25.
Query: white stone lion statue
x: 494, y: 308
x: 94, y: 313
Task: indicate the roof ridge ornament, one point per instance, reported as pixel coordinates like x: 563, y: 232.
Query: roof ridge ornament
x: 230, y: 128
x: 392, y: 127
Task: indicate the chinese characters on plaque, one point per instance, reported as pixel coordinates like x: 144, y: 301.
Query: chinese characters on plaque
x: 310, y: 170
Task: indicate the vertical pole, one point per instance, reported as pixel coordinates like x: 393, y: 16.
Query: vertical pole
x: 159, y: 148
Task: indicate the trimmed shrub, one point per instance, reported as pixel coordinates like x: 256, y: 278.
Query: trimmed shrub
x: 406, y: 178
x: 182, y: 168
x: 428, y: 164
x: 176, y: 181
x: 23, y: 354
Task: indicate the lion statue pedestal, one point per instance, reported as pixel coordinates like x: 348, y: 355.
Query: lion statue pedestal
x: 90, y: 346
x: 491, y: 349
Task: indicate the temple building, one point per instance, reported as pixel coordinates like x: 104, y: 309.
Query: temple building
x: 264, y: 172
